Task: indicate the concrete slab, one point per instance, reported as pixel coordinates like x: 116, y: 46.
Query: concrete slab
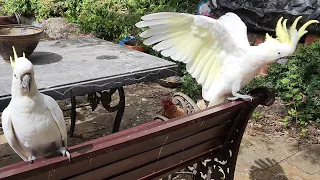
x: 263, y: 157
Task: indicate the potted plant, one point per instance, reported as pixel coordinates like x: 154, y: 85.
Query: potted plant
x: 132, y: 42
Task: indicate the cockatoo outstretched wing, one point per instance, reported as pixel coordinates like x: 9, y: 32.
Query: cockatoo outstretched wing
x: 9, y: 133
x: 202, y: 43
x: 57, y: 115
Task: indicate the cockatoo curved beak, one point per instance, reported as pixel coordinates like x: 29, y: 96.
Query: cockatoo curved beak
x: 282, y: 60
x: 26, y: 82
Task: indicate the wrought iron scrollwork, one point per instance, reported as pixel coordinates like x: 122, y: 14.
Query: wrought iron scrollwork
x: 105, y: 97
x: 183, y: 101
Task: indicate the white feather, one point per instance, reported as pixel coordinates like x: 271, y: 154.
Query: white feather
x: 205, y: 72
x: 202, y: 64
x: 178, y: 42
x: 169, y: 52
x: 217, y: 53
x: 160, y: 37
x: 162, y: 15
x: 163, y: 22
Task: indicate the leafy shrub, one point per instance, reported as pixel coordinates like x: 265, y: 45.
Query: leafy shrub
x: 24, y: 7
x: 297, y: 83
x: 190, y: 87
x: 113, y: 20
x: 2, y: 10
x: 38, y: 8
x: 50, y: 8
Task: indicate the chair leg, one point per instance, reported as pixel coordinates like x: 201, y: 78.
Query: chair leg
x: 73, y: 115
x: 120, y: 111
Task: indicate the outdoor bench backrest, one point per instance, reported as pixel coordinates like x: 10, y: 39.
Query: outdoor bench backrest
x: 154, y: 149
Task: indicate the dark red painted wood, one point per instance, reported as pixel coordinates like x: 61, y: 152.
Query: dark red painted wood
x: 175, y: 159
x: 160, y: 152
x: 82, y: 154
x: 146, y: 151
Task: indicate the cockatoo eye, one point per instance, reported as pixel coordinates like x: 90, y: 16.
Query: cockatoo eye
x: 279, y: 53
x: 15, y: 76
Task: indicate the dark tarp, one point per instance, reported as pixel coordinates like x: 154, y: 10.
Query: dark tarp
x: 262, y: 15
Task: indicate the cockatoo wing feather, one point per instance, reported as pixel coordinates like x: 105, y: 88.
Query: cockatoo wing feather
x: 200, y: 42
x: 57, y: 115
x: 236, y: 29
x: 9, y: 133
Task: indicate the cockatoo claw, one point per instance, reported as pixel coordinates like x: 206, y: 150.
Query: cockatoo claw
x: 65, y: 152
x: 244, y: 97
x: 31, y: 159
x: 232, y: 98
x: 247, y: 97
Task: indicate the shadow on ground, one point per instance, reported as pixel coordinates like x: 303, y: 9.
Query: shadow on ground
x: 261, y: 170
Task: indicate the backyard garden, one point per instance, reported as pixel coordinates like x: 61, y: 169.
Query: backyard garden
x: 295, y: 115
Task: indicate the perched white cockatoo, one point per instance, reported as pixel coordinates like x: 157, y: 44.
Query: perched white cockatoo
x: 33, y: 123
x: 217, y: 52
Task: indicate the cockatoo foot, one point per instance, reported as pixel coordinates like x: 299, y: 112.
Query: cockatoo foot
x: 64, y: 152
x: 31, y: 159
x: 240, y: 96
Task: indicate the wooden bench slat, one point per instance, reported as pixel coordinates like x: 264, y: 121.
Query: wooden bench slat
x: 96, y: 160
x: 40, y: 167
x: 185, y: 155
x: 155, y: 142
x: 161, y: 151
x: 179, y: 166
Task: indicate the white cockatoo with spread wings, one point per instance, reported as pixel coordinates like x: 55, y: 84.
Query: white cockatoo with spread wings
x: 217, y: 52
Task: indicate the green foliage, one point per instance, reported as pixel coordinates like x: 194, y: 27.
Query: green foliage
x: 37, y: 8
x: 25, y: 7
x: 304, y: 132
x: 256, y: 115
x: 50, y: 8
x: 190, y: 87
x: 2, y: 10
x: 297, y: 83
x: 115, y: 19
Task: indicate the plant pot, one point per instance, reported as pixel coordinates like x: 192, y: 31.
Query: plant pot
x: 11, y: 35
x: 13, y: 19
x: 137, y: 48
x: 171, y: 82
x: 311, y: 38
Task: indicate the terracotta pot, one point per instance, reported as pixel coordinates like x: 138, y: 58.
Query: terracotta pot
x: 13, y: 19
x: 311, y: 38
x: 137, y: 48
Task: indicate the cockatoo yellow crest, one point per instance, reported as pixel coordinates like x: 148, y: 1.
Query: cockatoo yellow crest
x: 282, y: 33
x: 15, y: 57
x: 216, y: 51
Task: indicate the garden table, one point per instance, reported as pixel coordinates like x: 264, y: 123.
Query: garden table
x: 75, y: 67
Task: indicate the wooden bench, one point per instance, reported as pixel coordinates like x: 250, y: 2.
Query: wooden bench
x: 204, y: 143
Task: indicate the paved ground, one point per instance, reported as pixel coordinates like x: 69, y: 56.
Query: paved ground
x: 262, y: 156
